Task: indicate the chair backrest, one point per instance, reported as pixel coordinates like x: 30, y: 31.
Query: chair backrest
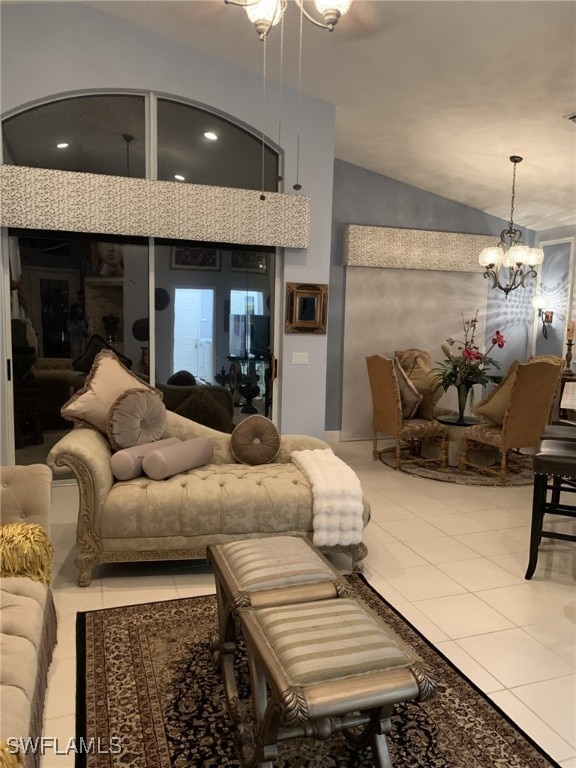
x: 386, y: 404
x: 530, y: 404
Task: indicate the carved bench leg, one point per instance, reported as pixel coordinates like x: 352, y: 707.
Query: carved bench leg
x: 85, y: 562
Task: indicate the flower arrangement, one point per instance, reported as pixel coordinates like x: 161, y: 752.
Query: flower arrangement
x: 468, y: 366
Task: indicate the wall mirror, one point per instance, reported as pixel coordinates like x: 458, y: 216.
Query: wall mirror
x: 306, y: 307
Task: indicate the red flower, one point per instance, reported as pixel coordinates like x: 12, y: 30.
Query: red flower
x: 498, y: 340
x: 471, y: 355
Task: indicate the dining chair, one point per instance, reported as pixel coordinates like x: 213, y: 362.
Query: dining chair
x: 526, y: 414
x: 388, y: 417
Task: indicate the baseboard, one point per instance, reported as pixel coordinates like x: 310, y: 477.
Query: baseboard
x: 332, y: 436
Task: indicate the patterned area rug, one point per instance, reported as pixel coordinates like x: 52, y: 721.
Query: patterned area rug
x: 519, y: 472
x: 145, y: 682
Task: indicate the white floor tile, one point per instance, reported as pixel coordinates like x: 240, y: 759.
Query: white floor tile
x: 58, y: 732
x: 442, y: 550
x: 550, y: 741
x: 554, y: 702
x: 463, y: 615
x: 428, y: 558
x: 469, y: 666
x: 515, y: 658
x: 423, y: 583
x: 479, y: 574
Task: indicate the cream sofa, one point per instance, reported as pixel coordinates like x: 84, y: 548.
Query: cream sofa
x: 176, y: 518
x: 27, y: 615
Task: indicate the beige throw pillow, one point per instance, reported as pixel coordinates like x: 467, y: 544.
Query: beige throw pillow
x: 409, y: 395
x: 170, y: 460
x: 107, y: 380
x: 493, y: 407
x: 127, y: 463
x: 137, y: 416
x: 416, y: 363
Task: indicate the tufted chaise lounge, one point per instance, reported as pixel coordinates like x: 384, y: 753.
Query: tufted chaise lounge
x: 177, y: 518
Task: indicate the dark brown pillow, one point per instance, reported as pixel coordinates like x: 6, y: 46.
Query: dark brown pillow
x: 202, y: 408
x: 255, y: 441
x: 96, y: 344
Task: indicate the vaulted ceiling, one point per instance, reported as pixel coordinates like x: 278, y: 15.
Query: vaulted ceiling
x: 433, y: 93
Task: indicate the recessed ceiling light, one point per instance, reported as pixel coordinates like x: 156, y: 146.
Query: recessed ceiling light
x: 179, y: 177
x: 210, y: 135
x: 62, y: 145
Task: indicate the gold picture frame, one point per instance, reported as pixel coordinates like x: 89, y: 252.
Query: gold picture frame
x: 306, y: 308
x: 184, y: 257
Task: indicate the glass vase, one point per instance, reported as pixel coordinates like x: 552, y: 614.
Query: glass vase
x: 463, y: 391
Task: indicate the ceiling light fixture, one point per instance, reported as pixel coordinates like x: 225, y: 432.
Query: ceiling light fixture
x: 516, y: 260
x: 210, y: 135
x: 265, y: 14
x: 62, y: 145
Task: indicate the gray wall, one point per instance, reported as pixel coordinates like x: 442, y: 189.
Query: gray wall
x: 58, y: 48
x: 364, y: 197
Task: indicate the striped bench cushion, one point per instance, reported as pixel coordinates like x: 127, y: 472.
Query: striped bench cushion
x: 276, y: 561
x: 328, y: 640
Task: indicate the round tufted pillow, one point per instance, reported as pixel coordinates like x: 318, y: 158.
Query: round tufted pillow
x: 255, y: 441
x: 137, y: 416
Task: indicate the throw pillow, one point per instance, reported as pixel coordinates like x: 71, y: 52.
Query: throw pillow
x: 127, y: 464
x: 136, y: 416
x: 107, y: 380
x: 409, y: 395
x: 255, y: 441
x: 172, y: 459
x: 26, y: 550
x: 96, y: 344
x: 182, y: 379
x: 204, y: 409
x: 493, y: 407
x: 418, y: 367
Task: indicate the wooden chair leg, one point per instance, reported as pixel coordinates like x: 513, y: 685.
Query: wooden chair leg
x: 398, y: 454
x: 374, y: 447
x: 538, y: 507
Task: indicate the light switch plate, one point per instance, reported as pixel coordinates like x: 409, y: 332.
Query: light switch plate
x: 299, y: 358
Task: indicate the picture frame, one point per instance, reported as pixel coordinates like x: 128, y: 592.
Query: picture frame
x: 306, y: 308
x: 248, y: 261
x: 184, y: 257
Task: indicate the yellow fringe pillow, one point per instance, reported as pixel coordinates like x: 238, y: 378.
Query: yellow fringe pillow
x: 26, y: 550
x: 8, y: 757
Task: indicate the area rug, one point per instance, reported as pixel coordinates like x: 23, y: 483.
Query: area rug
x: 148, y: 697
x: 519, y: 472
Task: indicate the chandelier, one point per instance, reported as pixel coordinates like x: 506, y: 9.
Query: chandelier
x: 265, y: 14
x: 510, y: 260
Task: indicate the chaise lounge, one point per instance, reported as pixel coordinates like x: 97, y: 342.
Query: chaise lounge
x: 178, y: 517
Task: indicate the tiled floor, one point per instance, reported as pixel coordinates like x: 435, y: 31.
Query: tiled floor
x: 450, y: 557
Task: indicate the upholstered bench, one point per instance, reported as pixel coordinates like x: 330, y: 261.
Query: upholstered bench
x: 276, y: 570
x: 274, y: 590
x: 321, y: 667
x: 554, y: 474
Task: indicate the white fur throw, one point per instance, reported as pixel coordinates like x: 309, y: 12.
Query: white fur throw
x: 337, y: 497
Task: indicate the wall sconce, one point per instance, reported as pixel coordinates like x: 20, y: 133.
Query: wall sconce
x: 546, y: 315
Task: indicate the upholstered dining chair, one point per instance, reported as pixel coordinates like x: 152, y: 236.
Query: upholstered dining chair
x: 526, y: 414
x: 388, y: 417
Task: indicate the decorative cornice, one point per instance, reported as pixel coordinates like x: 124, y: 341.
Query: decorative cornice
x: 395, y: 248
x: 40, y: 198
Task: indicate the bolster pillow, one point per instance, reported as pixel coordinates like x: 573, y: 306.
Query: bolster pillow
x: 127, y: 464
x: 169, y: 460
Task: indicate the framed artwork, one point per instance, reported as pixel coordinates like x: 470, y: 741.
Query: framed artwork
x: 249, y: 261
x: 306, y: 308
x: 195, y: 258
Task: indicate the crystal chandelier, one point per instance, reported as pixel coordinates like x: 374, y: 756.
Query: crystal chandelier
x: 265, y: 14
x: 510, y: 260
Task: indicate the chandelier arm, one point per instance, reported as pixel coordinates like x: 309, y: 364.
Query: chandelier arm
x: 242, y: 3
x: 322, y: 25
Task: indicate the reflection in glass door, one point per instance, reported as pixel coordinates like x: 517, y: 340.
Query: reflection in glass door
x: 194, y: 332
